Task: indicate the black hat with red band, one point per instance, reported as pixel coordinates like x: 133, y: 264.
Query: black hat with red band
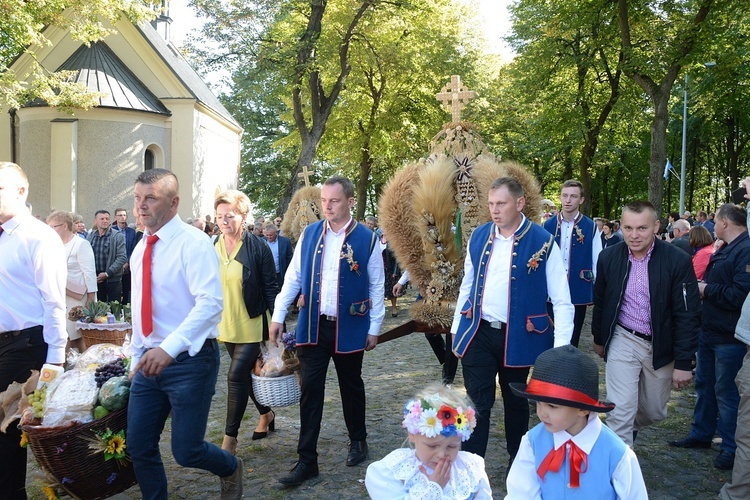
x: 567, y: 377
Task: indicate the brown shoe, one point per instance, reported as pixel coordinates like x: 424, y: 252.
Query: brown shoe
x: 231, y: 486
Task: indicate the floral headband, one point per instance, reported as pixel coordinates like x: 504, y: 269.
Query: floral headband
x: 430, y: 417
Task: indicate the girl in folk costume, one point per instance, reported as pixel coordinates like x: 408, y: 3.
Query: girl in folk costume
x: 433, y: 467
x: 570, y: 454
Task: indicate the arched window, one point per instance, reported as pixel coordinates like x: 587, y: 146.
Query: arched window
x: 148, y: 160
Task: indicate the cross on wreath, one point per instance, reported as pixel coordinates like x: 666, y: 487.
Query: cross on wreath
x: 455, y: 97
x: 305, y: 174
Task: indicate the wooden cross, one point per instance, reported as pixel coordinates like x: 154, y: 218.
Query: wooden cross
x: 455, y: 97
x: 305, y: 174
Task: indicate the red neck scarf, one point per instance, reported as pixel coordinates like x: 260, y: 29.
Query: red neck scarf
x: 579, y: 462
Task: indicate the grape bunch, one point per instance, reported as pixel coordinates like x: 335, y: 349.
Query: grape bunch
x: 37, y: 399
x: 106, y: 372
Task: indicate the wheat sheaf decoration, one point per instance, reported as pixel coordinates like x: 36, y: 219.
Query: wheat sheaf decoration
x: 429, y: 209
x: 304, y: 209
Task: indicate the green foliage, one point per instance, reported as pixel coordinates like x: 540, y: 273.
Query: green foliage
x: 23, y: 30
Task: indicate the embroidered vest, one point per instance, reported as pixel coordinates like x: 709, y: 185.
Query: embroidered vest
x: 353, y: 318
x: 596, y: 482
x: 580, y: 262
x: 529, y: 331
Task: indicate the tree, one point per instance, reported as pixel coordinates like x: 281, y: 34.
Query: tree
x: 23, y: 26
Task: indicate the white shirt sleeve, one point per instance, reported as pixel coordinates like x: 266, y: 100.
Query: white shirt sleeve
x: 50, y: 275
x: 559, y: 294
x: 404, y: 279
x: 376, y: 276
x: 596, y: 248
x: 628, y: 479
x: 523, y: 481
x: 381, y: 484
x: 465, y: 290
x: 85, y: 257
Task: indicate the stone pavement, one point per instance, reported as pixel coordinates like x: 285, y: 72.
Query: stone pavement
x: 393, y: 373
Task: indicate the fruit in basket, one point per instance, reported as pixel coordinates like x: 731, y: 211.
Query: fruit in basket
x: 109, y: 370
x: 95, y: 312
x: 100, y: 412
x: 114, y: 393
x: 37, y: 399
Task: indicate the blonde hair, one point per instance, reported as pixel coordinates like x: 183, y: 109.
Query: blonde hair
x: 62, y: 216
x: 236, y: 199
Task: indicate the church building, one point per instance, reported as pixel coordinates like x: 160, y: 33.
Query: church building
x: 154, y: 112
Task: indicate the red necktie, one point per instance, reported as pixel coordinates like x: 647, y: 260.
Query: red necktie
x: 147, y: 321
x: 553, y: 461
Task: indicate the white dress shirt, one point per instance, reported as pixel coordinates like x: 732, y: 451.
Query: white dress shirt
x: 329, y: 286
x: 275, y: 252
x: 566, y: 235
x: 523, y: 481
x: 495, y: 298
x: 185, y: 289
x: 33, y: 273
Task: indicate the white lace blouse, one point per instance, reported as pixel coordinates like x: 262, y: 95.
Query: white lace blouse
x: 397, y: 476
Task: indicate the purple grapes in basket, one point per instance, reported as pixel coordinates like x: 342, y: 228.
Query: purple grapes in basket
x: 106, y: 372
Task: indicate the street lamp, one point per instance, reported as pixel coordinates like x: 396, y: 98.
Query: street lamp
x: 709, y: 64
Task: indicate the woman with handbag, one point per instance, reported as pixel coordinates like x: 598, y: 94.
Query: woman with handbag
x: 248, y: 282
x: 80, y: 288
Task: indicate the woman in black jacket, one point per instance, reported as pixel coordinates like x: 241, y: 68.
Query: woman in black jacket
x: 248, y: 282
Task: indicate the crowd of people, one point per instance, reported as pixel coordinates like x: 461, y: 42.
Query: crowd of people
x: 661, y: 299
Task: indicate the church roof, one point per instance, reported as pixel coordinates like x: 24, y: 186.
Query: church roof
x: 102, y: 71
x: 187, y: 75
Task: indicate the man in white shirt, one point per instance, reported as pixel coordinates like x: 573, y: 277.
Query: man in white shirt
x: 501, y: 323
x: 33, y: 272
x: 580, y: 243
x: 175, y: 358
x: 334, y: 254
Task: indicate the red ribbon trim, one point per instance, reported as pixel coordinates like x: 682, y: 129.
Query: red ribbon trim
x: 579, y: 462
x: 539, y: 388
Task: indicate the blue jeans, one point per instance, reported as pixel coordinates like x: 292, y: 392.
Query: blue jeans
x: 185, y: 388
x: 718, y: 398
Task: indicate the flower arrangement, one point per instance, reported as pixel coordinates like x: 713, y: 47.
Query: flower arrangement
x: 111, y: 443
x: 96, y: 312
x: 431, y: 418
x: 349, y: 256
x: 579, y: 233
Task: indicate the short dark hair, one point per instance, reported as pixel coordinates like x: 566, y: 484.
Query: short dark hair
x: 733, y: 213
x: 674, y: 215
x: 121, y: 210
x: 101, y: 212
x: 610, y: 225
x: 514, y: 187
x: 155, y: 175
x: 572, y: 183
x: 640, y: 206
x: 700, y: 237
x: 702, y: 214
x: 346, y: 184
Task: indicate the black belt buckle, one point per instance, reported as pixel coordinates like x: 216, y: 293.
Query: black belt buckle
x: 10, y: 335
x: 328, y: 318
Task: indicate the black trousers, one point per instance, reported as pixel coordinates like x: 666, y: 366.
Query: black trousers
x: 18, y: 356
x: 314, y: 361
x: 107, y: 291
x: 482, y: 364
x: 444, y: 353
x: 580, y: 316
x: 240, y: 384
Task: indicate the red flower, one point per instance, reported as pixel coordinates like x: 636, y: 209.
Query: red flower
x: 447, y: 415
x: 355, y: 267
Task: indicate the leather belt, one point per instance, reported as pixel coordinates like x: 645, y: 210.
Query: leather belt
x: 497, y: 325
x: 17, y: 333
x: 328, y: 318
x: 638, y: 334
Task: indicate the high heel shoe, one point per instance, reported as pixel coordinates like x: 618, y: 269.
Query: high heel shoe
x: 271, y: 428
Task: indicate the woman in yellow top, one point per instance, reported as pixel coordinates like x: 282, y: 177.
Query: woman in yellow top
x: 248, y: 281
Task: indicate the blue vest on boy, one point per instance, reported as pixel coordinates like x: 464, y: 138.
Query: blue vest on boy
x: 580, y: 261
x: 354, y: 304
x: 529, y: 331
x: 596, y: 482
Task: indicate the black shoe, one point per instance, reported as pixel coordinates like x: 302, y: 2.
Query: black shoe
x: 299, y: 473
x: 690, y: 442
x: 271, y: 428
x: 724, y: 460
x: 357, y: 453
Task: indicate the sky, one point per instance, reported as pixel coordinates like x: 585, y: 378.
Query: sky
x: 494, y: 15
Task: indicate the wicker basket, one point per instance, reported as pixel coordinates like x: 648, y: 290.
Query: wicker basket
x: 64, y: 453
x: 276, y: 391
x: 104, y: 333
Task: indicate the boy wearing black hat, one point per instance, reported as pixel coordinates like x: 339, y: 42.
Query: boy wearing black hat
x: 570, y: 450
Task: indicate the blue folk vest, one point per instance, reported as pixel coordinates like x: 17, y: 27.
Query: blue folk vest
x: 580, y: 262
x: 353, y: 318
x: 529, y: 331
x: 596, y: 482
